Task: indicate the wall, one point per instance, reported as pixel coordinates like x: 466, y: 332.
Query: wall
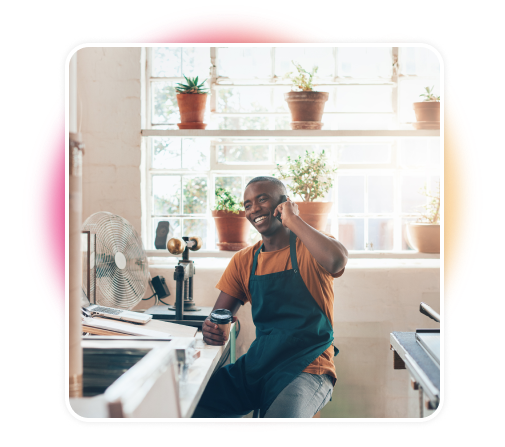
x: 109, y: 105
x: 373, y: 298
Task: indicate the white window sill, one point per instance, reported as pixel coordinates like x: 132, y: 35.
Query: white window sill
x: 157, y: 264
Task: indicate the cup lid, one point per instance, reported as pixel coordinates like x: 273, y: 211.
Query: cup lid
x: 221, y: 316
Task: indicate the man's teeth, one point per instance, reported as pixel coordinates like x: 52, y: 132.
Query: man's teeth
x: 259, y: 219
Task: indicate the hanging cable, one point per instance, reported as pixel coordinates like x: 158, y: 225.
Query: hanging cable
x: 145, y: 299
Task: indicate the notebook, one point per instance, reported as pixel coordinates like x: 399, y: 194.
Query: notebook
x: 90, y: 310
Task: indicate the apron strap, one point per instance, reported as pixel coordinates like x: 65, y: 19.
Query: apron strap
x: 255, y: 262
x: 292, y: 249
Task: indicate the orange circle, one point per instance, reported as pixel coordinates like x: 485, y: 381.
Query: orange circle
x: 462, y: 200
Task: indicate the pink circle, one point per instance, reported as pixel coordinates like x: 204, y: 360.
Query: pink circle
x: 44, y: 196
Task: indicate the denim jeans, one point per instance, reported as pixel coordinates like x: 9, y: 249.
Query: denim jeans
x: 302, y: 398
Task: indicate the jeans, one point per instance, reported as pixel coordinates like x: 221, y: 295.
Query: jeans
x: 302, y: 398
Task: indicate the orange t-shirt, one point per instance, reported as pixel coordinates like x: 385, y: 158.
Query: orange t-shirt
x: 235, y: 282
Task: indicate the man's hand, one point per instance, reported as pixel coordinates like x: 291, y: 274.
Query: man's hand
x: 212, y: 334
x: 286, y: 210
x: 328, y: 252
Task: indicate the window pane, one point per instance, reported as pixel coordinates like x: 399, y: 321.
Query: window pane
x: 243, y: 99
x: 358, y: 122
x: 283, y: 122
x: 167, y: 62
x: 164, y: 104
x: 413, y: 152
x: 412, y: 199
x: 351, y: 233
x: 365, y: 153
x: 380, y: 234
x: 195, y: 227
x: 177, y: 61
x: 364, y: 98
x: 351, y: 194
x: 196, y: 62
x: 244, y: 62
x: 166, y: 153
x: 419, y: 61
x: 167, y: 194
x: 380, y: 194
x: 280, y: 104
x: 174, y: 228
x: 364, y: 62
x: 282, y: 151
x: 434, y: 185
x: 195, y: 153
x: 434, y: 146
x: 232, y: 184
x: 243, y: 154
x: 243, y: 123
x: 307, y: 58
x: 195, y: 195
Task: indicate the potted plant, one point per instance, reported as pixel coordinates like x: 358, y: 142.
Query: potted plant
x: 192, y: 99
x: 427, y: 111
x: 231, y: 223
x: 311, y: 179
x: 305, y: 104
x: 424, y: 235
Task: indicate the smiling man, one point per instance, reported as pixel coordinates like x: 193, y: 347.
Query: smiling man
x: 287, y: 277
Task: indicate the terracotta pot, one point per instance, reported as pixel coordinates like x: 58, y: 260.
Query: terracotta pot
x: 424, y: 237
x: 306, y: 109
x: 232, y: 230
x: 427, y: 111
x: 192, y: 110
x: 315, y: 213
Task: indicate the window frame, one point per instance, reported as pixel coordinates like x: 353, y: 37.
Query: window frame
x: 215, y: 168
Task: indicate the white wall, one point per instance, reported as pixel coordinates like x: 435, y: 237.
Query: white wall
x: 373, y: 298
x: 109, y: 90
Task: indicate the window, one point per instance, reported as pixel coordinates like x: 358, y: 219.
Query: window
x: 376, y: 190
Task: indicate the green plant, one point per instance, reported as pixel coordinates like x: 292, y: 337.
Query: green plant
x: 302, y: 80
x: 226, y: 201
x: 191, y: 86
x: 432, y: 208
x: 311, y: 176
x: 429, y: 96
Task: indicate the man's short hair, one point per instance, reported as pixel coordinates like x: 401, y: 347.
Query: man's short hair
x: 273, y: 180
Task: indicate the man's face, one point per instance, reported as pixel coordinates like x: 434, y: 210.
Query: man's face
x: 260, y: 201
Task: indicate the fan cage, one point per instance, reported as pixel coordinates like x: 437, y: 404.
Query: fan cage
x: 121, y: 268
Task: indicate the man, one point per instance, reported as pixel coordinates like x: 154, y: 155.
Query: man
x: 288, y: 370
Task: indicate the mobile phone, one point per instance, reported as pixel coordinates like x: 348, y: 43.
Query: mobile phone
x: 283, y: 199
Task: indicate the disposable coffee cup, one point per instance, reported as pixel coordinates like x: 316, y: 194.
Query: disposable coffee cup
x: 223, y: 319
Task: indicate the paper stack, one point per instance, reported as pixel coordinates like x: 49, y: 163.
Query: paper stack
x: 154, y: 328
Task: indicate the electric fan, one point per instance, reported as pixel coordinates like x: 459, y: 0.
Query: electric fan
x: 121, y: 268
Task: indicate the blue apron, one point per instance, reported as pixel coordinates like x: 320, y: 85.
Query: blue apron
x: 291, y: 332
